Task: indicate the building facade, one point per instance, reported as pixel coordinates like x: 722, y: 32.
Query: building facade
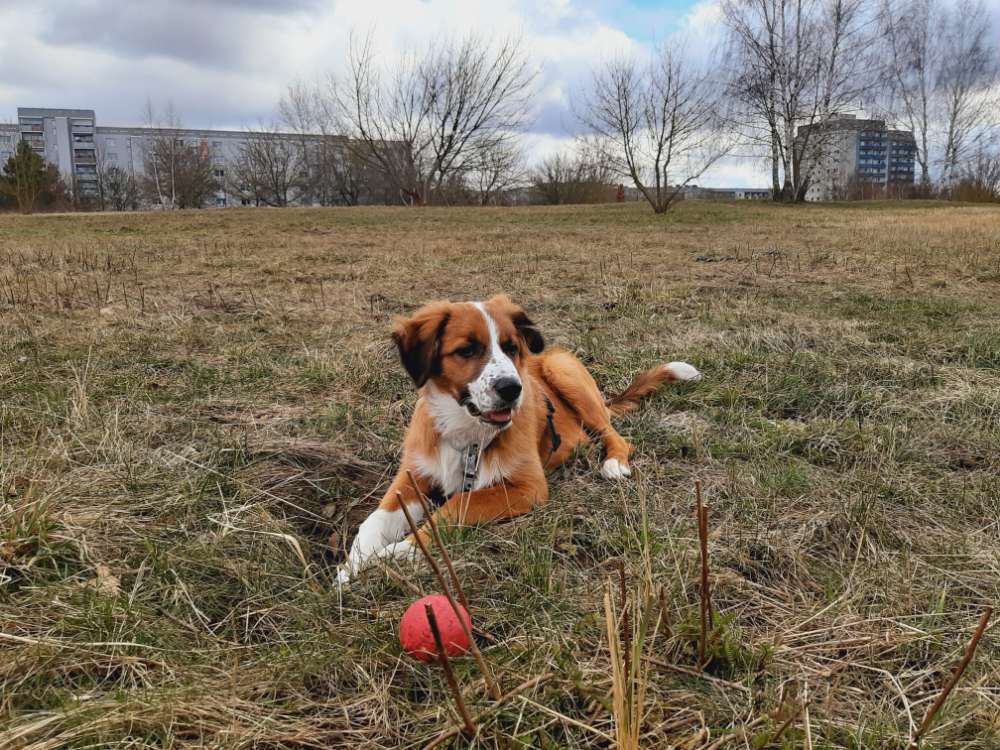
x: 65, y: 138
x: 8, y: 141
x: 696, y: 192
x: 847, y: 157
x: 80, y: 149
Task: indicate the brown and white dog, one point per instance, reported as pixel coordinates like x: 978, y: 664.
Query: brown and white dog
x: 496, y: 411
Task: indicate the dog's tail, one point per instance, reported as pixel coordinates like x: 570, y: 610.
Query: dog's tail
x: 648, y: 381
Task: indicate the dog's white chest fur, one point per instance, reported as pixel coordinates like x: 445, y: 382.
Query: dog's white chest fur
x: 458, y: 431
x: 447, y: 468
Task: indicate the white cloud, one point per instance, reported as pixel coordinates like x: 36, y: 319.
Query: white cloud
x: 225, y: 63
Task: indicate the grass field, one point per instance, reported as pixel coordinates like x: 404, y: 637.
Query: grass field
x: 199, y: 407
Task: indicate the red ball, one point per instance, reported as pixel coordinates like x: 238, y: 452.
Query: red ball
x: 415, y: 631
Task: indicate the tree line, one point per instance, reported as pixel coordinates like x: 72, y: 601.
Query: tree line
x: 444, y: 125
x: 927, y: 66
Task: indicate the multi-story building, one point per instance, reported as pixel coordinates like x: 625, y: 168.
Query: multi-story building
x: 64, y: 137
x: 79, y: 148
x: 846, y: 157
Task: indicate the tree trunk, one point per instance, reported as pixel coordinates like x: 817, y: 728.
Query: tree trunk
x: 775, y: 161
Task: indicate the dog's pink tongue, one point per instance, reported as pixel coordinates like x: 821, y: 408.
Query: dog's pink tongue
x: 500, y: 416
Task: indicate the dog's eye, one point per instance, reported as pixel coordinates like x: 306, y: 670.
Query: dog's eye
x: 468, y: 351
x: 509, y: 348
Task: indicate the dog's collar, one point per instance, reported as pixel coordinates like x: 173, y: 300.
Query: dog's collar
x: 470, y: 467
x: 554, y: 440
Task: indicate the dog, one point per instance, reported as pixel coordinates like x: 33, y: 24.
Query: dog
x: 497, y: 410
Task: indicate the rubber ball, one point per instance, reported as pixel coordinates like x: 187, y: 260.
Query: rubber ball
x: 415, y: 634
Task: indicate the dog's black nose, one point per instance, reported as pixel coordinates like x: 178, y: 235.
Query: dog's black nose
x: 508, y: 389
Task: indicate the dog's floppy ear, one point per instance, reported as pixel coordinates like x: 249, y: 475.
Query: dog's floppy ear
x: 529, y: 331
x: 525, y: 326
x: 419, y: 340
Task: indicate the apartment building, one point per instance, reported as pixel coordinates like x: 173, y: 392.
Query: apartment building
x: 125, y: 147
x: 72, y: 140
x: 64, y: 137
x: 847, y: 157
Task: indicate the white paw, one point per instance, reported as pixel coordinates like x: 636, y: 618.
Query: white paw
x: 683, y: 371
x: 615, y: 469
x: 404, y: 550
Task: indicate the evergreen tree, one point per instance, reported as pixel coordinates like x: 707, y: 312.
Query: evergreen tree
x: 24, y: 177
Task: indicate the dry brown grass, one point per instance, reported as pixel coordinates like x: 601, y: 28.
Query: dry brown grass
x: 197, y: 408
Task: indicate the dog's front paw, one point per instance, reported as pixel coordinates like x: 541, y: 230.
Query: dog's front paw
x: 404, y: 550
x: 615, y: 469
x: 401, y: 551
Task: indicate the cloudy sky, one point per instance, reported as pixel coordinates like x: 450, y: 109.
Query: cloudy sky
x: 226, y: 63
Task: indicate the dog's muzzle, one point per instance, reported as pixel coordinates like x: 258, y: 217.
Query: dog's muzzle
x: 500, y: 418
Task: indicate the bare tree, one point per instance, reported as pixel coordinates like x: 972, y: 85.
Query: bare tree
x: 102, y: 166
x: 795, y: 63
x: 338, y: 173
x: 119, y: 189
x: 979, y: 177
x: 305, y: 113
x: 160, y: 155
x: 435, y: 113
x: 582, y: 175
x: 116, y: 188
x: 270, y: 168
x: 943, y: 78
x: 500, y: 169
x: 178, y: 172
x: 662, y: 122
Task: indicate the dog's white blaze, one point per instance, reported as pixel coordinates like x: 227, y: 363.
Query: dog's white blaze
x: 498, y: 366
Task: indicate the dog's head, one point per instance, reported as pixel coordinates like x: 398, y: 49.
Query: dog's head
x: 471, y: 351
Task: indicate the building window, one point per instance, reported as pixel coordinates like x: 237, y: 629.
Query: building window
x: 220, y: 202
x: 219, y: 172
x: 245, y: 202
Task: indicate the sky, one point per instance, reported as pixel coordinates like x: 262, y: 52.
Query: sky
x: 226, y: 63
